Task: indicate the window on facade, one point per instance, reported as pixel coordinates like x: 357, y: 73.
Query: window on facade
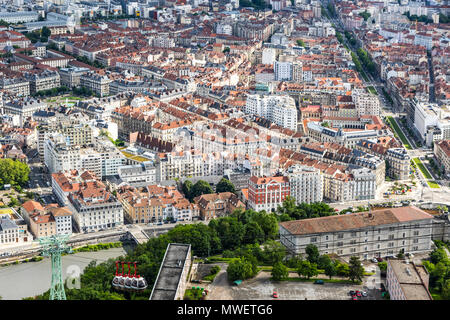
x: 416, y: 233
x: 314, y: 239
x: 340, y: 236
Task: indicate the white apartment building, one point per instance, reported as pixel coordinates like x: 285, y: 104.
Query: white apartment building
x: 94, y: 208
x: 306, y: 184
x: 278, y: 109
x: 378, y: 233
x: 9, y: 231
x: 282, y: 70
x: 425, y: 115
x: 138, y: 175
x: 366, y: 104
x: 268, y: 56
x: 102, y: 160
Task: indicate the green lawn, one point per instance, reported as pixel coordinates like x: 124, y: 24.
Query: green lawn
x: 372, y: 90
x: 433, y: 184
x: 399, y: 133
x: 422, y: 168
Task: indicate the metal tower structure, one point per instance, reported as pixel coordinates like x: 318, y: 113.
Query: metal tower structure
x: 54, y: 246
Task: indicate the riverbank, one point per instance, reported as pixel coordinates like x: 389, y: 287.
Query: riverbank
x: 29, y: 279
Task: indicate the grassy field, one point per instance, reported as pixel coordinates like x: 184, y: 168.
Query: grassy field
x: 372, y: 90
x: 422, y: 168
x: 399, y: 133
x: 433, y: 184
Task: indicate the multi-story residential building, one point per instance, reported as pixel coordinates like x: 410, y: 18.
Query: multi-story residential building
x: 442, y: 154
x: 102, y: 159
x: 99, y: 84
x: 398, y: 162
x: 48, y: 221
x: 155, y: 204
x: 407, y: 281
x: 94, y: 208
x: 282, y: 71
x: 9, y: 231
x: 267, y: 193
x: 45, y: 80
x: 278, y: 109
x: 377, y: 233
x: 70, y: 77
x: 306, y: 184
x: 366, y: 103
x: 24, y: 108
x: 16, y: 86
x: 139, y: 175
x: 216, y: 205
x: 179, y: 165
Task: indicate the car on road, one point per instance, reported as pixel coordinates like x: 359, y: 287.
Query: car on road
x: 379, y: 259
x: 374, y: 260
x: 354, y: 298
x: 318, y: 282
x: 364, y: 294
x: 358, y: 293
x: 352, y: 292
x: 275, y: 294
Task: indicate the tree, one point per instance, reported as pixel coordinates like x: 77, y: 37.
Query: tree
x: 342, y: 269
x: 330, y: 270
x: 356, y: 270
x: 438, y: 255
x: 225, y: 185
x: 300, y: 43
x: 187, y: 189
x: 307, y: 269
x: 446, y: 290
x: 253, y: 233
x: 273, y: 252
x: 383, y: 266
x: 45, y: 32
x: 240, y: 269
x: 312, y: 253
x: 323, y: 261
x: 279, y: 272
x: 199, y: 188
x: 13, y: 172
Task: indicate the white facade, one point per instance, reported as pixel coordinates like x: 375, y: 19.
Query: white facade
x: 268, y: 56
x: 278, y: 109
x: 306, y: 184
x: 283, y: 71
x: 361, y: 234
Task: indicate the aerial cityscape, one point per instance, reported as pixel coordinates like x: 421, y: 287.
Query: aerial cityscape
x: 224, y: 150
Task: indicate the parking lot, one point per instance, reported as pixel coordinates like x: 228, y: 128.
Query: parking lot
x: 262, y: 288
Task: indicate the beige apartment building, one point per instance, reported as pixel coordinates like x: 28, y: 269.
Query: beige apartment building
x: 378, y: 233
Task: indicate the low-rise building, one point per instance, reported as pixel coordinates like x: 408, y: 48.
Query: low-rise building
x: 377, y: 233
x: 216, y: 205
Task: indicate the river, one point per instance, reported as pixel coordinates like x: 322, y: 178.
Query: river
x: 34, y: 278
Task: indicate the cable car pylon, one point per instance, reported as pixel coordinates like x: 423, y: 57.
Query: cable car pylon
x: 54, y: 246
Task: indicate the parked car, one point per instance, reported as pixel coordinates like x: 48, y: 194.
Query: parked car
x: 318, y: 282
x: 354, y: 298
x: 364, y: 294
x: 379, y: 259
x: 352, y: 292
x: 275, y: 294
x: 358, y: 293
x: 374, y: 260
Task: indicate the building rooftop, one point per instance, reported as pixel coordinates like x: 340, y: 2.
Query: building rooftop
x: 355, y: 220
x: 412, y: 279
x: 169, y: 276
